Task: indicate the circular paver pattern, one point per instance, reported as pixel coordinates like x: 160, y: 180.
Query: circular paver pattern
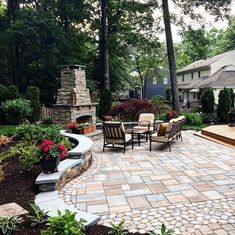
x: 190, y: 189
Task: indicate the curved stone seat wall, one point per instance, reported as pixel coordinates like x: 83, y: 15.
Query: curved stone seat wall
x: 79, y: 160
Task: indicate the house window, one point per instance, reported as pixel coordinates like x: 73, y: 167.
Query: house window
x: 199, y: 74
x: 154, y: 80
x: 194, y: 95
x: 198, y: 96
x: 165, y: 81
x: 187, y: 94
x: 182, y: 77
x: 192, y: 75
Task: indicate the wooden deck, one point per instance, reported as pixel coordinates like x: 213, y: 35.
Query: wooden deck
x: 222, y: 134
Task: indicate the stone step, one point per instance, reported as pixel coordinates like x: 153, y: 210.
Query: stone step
x: 50, y: 201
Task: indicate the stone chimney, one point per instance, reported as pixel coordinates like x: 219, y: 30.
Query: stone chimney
x: 73, y: 99
x: 73, y: 86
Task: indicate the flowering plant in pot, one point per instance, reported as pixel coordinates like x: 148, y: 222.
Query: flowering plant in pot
x: 73, y: 125
x: 86, y: 127
x: 50, y: 154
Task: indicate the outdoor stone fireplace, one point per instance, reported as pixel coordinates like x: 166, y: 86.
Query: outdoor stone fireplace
x: 73, y: 99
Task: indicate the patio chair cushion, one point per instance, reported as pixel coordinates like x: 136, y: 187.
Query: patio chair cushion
x: 157, y: 138
x: 143, y: 128
x: 120, y: 141
x: 162, y: 129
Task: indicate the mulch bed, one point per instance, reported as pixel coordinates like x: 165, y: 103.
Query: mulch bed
x: 20, y: 188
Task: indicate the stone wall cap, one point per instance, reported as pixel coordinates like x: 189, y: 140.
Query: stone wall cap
x: 73, y: 65
x: 62, y: 168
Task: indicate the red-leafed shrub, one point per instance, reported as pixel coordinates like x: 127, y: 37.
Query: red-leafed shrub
x: 131, y: 109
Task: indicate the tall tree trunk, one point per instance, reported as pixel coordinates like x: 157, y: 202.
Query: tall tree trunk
x: 13, y: 60
x: 171, y: 56
x: 104, y: 45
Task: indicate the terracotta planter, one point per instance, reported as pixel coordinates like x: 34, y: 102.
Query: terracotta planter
x: 231, y: 118
x: 85, y: 130
x: 50, y: 166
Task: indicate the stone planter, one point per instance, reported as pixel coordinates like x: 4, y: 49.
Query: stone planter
x: 84, y: 130
x: 50, y: 166
x: 232, y: 118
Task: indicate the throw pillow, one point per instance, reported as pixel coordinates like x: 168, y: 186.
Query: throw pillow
x: 162, y: 129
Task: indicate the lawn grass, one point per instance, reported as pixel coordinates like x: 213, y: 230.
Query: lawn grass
x: 8, y: 130
x: 194, y: 127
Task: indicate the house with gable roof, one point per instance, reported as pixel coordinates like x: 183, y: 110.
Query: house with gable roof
x: 216, y: 72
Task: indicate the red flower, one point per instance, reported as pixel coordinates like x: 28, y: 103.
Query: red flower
x: 72, y: 125
x: 61, y: 147
x: 46, y: 148
x: 62, y: 154
x: 46, y: 158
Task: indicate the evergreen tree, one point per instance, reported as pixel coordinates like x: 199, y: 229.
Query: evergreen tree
x: 208, y: 101
x: 224, y: 105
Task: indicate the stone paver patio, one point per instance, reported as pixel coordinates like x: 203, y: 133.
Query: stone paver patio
x: 191, y: 189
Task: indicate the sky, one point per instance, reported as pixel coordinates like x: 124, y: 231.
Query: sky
x: 207, y: 20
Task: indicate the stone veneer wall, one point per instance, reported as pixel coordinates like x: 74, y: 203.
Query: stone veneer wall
x: 69, y: 174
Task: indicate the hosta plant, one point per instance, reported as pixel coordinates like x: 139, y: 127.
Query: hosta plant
x: 39, y: 216
x: 9, y: 224
x: 164, y: 231
x: 65, y: 224
x: 118, y: 229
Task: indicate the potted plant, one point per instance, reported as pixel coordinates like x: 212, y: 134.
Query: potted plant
x: 232, y: 117
x: 50, y: 154
x: 73, y: 125
x: 86, y: 127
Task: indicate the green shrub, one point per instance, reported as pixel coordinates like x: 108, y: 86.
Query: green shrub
x: 118, y: 229
x: 105, y: 103
x: 17, y: 110
x: 12, y: 92
x: 36, y: 132
x: 8, y: 93
x: 28, y: 157
x: 168, y: 93
x: 47, y: 120
x: 65, y: 224
x: 32, y: 94
x: 160, y: 106
x: 192, y: 118
x: 39, y: 216
x: 9, y: 224
x: 209, y: 118
x: 224, y: 105
x: 208, y: 101
x: 157, y: 98
x: 131, y: 109
x: 3, y: 93
x: 232, y: 96
x: 162, y: 117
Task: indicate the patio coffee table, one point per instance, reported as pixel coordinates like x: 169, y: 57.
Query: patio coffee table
x: 140, y: 132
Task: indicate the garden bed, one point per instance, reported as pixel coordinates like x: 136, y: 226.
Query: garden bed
x: 23, y: 192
